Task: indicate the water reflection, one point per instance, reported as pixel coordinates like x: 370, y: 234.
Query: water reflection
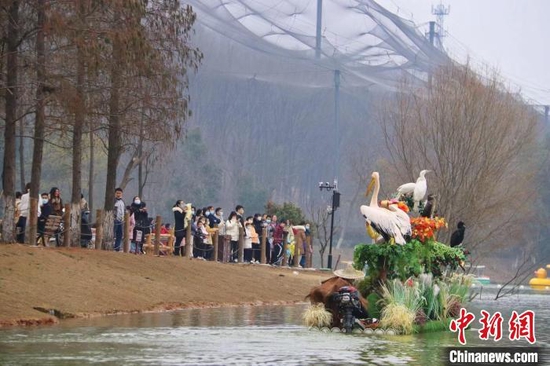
x: 242, y: 335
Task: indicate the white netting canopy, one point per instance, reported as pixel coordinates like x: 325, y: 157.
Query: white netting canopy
x: 365, y: 42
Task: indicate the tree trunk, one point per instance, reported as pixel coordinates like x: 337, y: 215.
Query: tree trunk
x: 140, y: 153
x: 8, y: 174
x: 77, y: 130
x: 39, y: 121
x: 114, y: 148
x: 22, y: 154
x: 91, y: 174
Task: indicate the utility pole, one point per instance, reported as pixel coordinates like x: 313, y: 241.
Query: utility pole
x: 335, y: 204
x: 546, y: 110
x: 318, y: 33
x: 337, y: 122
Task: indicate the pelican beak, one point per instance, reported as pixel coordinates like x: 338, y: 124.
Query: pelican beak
x: 369, y: 187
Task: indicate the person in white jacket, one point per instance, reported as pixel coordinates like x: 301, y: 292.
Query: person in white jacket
x: 24, y: 207
x: 232, y: 226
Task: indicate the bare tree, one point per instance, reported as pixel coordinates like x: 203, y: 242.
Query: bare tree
x: 320, y: 218
x: 8, y: 174
x: 477, y: 137
x: 523, y: 271
x: 39, y: 120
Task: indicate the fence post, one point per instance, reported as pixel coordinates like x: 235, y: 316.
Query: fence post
x: 241, y: 244
x: 158, y: 225
x: 262, y: 245
x: 147, y: 246
x: 215, y: 235
x: 98, y: 229
x: 188, y: 243
x: 67, y: 226
x: 126, y: 233
x: 298, y: 247
x: 33, y: 221
x: 309, y: 255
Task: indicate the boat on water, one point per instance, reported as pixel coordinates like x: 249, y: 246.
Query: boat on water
x: 541, y: 280
x: 479, y: 277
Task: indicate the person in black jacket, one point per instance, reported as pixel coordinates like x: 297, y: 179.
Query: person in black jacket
x: 142, y: 228
x: 179, y: 210
x: 46, y: 210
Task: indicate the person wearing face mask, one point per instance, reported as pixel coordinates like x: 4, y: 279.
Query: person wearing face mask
x: 211, y: 218
x: 179, y: 211
x: 138, y: 208
x: 46, y: 210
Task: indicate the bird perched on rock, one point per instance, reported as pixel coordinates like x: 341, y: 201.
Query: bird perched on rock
x: 458, y: 235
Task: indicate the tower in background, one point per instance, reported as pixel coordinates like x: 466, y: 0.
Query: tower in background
x: 440, y: 11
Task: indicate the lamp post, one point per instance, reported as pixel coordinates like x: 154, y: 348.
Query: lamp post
x: 335, y: 204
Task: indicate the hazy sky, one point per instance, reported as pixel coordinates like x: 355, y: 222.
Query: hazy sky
x: 511, y: 35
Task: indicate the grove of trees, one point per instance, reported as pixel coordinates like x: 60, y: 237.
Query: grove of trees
x: 97, y: 75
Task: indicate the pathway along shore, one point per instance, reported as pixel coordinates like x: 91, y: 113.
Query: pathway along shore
x: 43, y: 285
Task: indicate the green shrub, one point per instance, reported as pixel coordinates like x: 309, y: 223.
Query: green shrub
x: 404, y: 261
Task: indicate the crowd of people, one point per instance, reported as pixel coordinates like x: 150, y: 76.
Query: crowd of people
x: 49, y: 203
x: 280, y: 234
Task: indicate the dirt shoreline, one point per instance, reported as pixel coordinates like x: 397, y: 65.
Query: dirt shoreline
x: 40, y: 286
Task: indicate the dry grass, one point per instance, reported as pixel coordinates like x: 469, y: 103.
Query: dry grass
x: 317, y: 316
x: 398, y: 317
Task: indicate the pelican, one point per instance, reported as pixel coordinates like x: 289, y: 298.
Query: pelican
x: 417, y: 189
x: 420, y: 188
x: 389, y: 223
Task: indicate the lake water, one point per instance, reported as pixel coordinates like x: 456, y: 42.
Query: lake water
x: 247, y: 335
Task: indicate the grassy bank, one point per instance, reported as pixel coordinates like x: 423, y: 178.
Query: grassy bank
x: 42, y: 285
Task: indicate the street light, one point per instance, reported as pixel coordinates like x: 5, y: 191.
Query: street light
x: 335, y: 204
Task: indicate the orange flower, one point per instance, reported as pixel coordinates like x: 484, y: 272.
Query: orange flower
x: 424, y: 227
x: 402, y: 206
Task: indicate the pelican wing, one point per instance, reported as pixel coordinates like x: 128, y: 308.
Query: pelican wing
x: 384, y: 221
x: 406, y: 188
x: 403, y: 219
